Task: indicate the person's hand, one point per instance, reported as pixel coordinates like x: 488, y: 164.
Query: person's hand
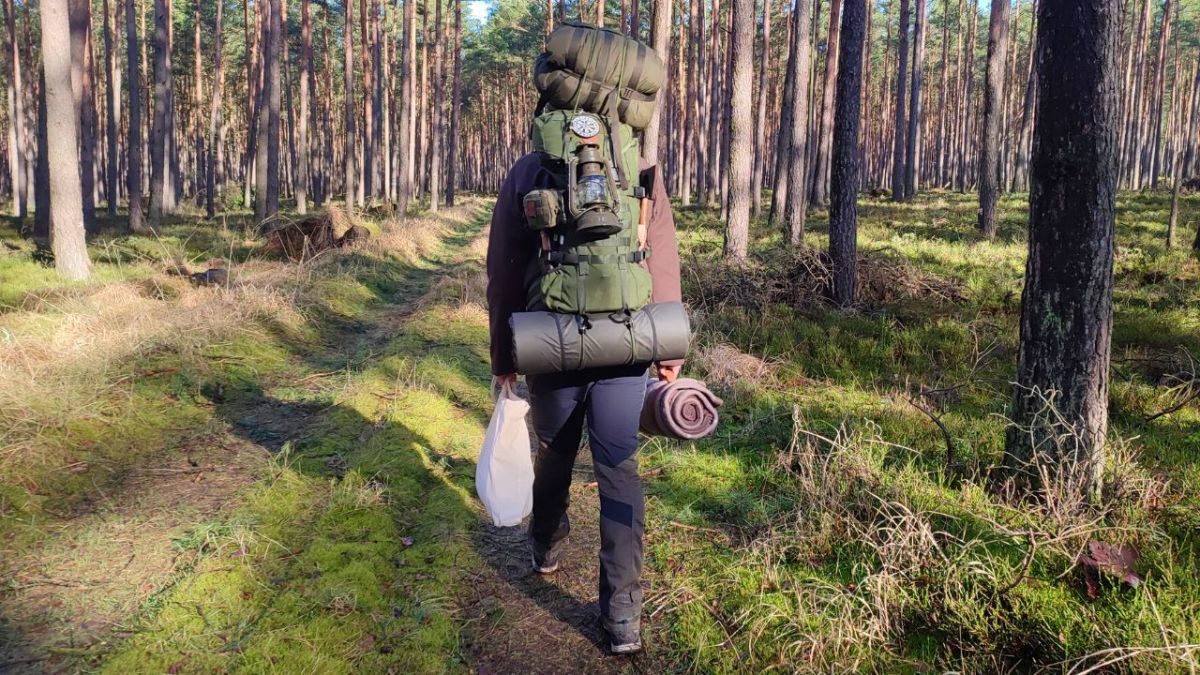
x: 667, y: 374
x: 509, y: 379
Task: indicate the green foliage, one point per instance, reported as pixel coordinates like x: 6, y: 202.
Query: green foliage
x: 812, y: 521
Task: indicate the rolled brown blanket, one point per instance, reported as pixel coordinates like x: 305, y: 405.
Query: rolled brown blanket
x: 684, y: 409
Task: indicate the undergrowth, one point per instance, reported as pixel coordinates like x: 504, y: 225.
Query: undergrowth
x: 856, y: 534
x: 839, y: 520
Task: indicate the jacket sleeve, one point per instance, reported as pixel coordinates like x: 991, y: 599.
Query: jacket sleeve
x: 663, y: 262
x: 510, y: 252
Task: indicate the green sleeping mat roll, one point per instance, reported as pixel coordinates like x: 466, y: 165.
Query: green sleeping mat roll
x: 547, y: 342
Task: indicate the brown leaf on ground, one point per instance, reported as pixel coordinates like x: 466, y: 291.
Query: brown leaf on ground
x: 1117, y: 561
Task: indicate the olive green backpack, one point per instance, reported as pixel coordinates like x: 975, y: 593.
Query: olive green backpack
x: 587, y: 212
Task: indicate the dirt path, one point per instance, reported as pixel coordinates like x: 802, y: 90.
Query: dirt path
x: 69, y: 601
x: 523, y: 622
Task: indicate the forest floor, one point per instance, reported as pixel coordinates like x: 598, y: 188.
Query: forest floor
x: 277, y: 475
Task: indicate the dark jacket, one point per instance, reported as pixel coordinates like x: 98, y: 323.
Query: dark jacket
x: 512, y: 251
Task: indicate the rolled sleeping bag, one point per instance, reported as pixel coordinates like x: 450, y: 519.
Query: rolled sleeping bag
x: 548, y: 342
x: 567, y: 90
x: 606, y: 56
x: 684, y: 409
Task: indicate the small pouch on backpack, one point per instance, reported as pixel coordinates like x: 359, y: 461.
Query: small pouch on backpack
x: 542, y: 209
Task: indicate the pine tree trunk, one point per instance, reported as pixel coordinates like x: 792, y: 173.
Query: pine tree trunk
x: 700, y: 107
x: 843, y: 207
x: 993, y: 106
x: 306, y: 76
x: 760, y: 124
x: 1021, y: 177
x: 1066, y: 307
x: 62, y: 161
x: 940, y: 143
x: 16, y: 113
x: 1183, y: 158
x: 198, y: 133
x: 455, y: 107
x: 41, y: 171
x: 214, y: 114
x: 912, y: 158
x: 712, y: 169
x: 133, y: 137
x: 162, y: 98
x: 274, y: 47
x: 898, y: 149
x: 435, y: 134
x: 660, y: 41
x: 349, y: 141
x: 1156, y: 116
x: 795, y: 208
x: 819, y: 176
x: 112, y: 95
x: 408, y: 114
x: 80, y: 21
x: 1133, y: 115
x: 737, y: 229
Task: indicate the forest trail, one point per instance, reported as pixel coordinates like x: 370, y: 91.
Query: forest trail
x: 104, y: 586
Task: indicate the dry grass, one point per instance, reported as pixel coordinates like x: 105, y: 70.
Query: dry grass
x: 65, y: 357
x: 728, y: 367
x: 916, y: 551
x: 803, y: 278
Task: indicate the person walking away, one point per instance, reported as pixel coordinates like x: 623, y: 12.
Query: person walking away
x: 608, y: 400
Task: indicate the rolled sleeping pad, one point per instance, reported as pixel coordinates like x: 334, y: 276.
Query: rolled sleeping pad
x: 548, y: 342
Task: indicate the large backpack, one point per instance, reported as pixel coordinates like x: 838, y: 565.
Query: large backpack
x: 587, y: 210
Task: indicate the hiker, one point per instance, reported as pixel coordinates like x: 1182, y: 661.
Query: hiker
x: 549, y: 250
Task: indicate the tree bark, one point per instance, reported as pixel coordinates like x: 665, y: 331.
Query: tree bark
x: 912, y: 158
x: 843, y: 207
x: 41, y: 171
x: 306, y: 77
x: 214, y: 114
x: 112, y: 95
x: 133, y: 136
x: 455, y: 107
x: 408, y: 114
x: 348, y: 67
x: 993, y: 106
x: 898, y: 149
x: 158, y: 139
x: 66, y: 202
x: 1156, y: 116
x: 80, y: 20
x: 797, y: 196
x: 1183, y: 158
x: 16, y: 114
x: 1066, y: 307
x: 275, y: 34
x: 819, y: 176
x: 737, y: 229
x: 660, y: 41
x: 435, y: 134
x: 783, y: 144
x: 760, y: 124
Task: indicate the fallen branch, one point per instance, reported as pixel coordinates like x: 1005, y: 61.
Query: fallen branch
x: 951, y: 453
x: 1177, y: 407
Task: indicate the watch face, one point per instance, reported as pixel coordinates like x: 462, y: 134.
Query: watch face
x: 585, y: 126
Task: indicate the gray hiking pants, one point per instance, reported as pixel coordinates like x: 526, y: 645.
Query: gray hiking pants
x: 610, y: 400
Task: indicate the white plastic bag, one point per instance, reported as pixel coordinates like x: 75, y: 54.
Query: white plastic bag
x: 504, y: 475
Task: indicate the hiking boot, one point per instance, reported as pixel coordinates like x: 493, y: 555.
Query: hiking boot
x: 545, y: 560
x: 623, y: 637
